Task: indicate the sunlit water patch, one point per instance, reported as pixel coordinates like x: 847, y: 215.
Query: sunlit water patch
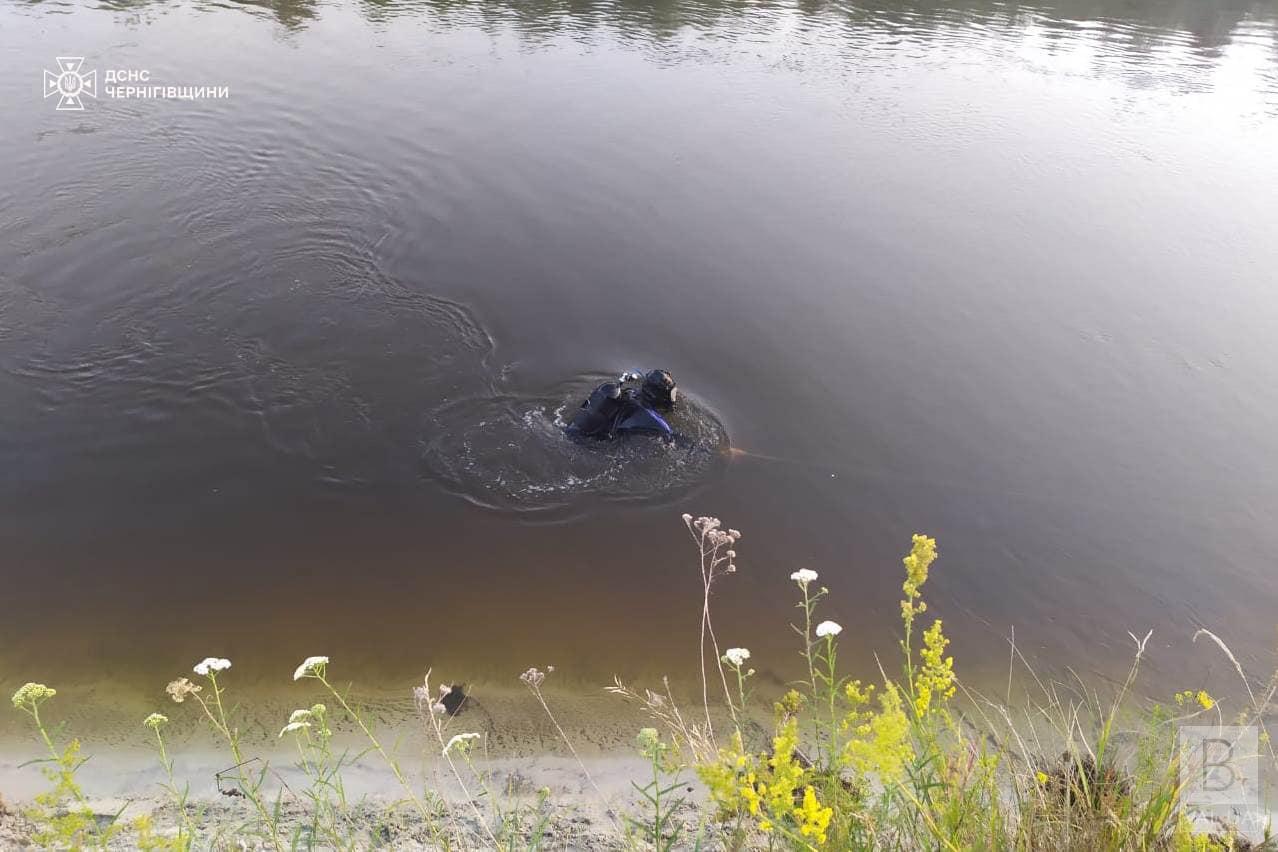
x: 509, y: 451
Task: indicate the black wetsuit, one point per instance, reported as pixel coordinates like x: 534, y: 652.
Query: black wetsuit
x: 611, y: 410
x: 601, y: 412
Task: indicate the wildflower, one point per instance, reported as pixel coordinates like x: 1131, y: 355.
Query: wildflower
x: 731, y: 779
x: 31, y: 694
x: 921, y: 557
x: 812, y: 817
x: 882, y: 746
x: 211, y: 665
x: 790, y: 703
x: 1201, y: 697
x: 649, y: 742
x: 828, y: 628
x: 311, y: 667
x: 936, y: 676
x: 179, y: 689
x: 773, y: 792
x: 533, y: 678
x: 461, y: 742
x: 155, y: 720
x: 804, y: 576
x: 858, y: 696
x: 294, y: 726
x: 736, y: 656
x: 299, y: 716
x: 1040, y: 776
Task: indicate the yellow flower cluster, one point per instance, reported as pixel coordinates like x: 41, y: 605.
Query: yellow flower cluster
x: 920, y: 558
x: 731, y: 779
x: 935, y: 678
x: 882, y: 745
x: 767, y: 788
x: 1201, y: 698
x: 812, y: 817
x: 786, y: 774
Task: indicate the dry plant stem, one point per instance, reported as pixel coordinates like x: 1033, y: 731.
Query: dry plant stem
x: 457, y: 833
x: 443, y: 746
x: 705, y: 618
x: 394, y: 766
x: 536, y: 691
x: 713, y: 545
x: 723, y: 677
x: 223, y: 727
x: 479, y: 817
x: 1257, y: 708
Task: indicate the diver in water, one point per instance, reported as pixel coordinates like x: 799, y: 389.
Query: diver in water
x: 631, y: 405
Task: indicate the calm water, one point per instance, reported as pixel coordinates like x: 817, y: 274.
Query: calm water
x: 279, y: 373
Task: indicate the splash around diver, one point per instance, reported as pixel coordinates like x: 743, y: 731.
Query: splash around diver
x: 512, y: 449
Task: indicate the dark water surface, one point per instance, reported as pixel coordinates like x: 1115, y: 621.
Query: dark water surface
x: 279, y: 373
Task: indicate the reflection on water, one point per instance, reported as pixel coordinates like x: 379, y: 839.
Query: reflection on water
x: 1208, y: 24
x: 1001, y: 272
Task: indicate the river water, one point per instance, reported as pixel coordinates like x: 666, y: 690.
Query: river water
x: 280, y: 372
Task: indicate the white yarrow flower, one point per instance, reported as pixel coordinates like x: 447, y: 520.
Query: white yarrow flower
x: 828, y: 628
x: 31, y: 694
x: 294, y: 726
x: 804, y: 576
x: 460, y: 741
x: 737, y: 656
x: 300, y: 716
x: 211, y: 664
x: 310, y: 667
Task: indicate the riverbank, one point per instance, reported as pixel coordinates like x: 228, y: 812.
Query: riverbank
x: 912, y: 759
x: 129, y: 785
x: 569, y: 777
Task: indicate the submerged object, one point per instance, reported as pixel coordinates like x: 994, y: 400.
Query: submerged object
x: 631, y: 405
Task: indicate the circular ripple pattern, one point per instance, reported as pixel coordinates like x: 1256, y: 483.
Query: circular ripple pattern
x: 509, y: 452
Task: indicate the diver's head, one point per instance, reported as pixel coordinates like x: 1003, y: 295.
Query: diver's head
x: 659, y: 389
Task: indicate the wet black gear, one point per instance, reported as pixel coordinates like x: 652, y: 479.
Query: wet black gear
x: 658, y: 390
x: 613, y: 409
